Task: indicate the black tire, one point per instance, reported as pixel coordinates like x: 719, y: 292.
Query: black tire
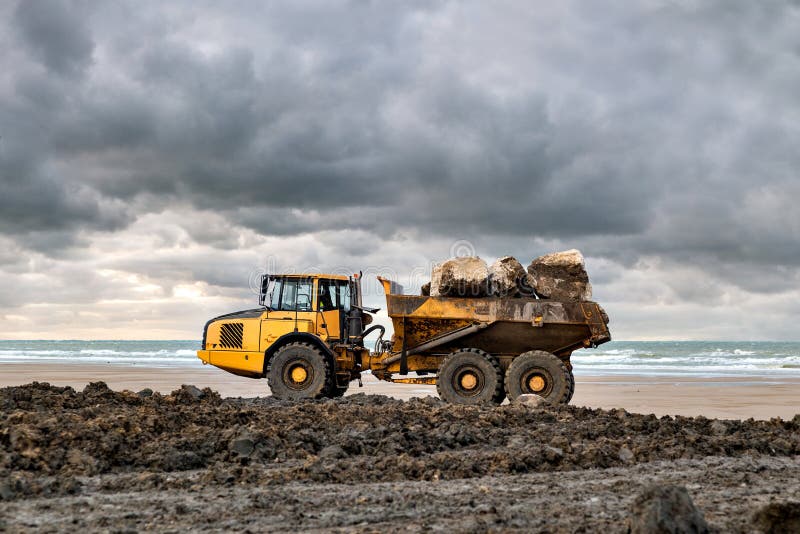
x: 568, y: 364
x: 470, y: 376
x: 540, y: 373
x: 571, y: 386
x: 299, y: 371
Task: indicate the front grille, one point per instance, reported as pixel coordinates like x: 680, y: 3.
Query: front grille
x: 230, y: 335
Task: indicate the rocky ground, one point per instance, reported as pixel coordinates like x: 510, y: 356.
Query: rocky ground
x: 119, y: 461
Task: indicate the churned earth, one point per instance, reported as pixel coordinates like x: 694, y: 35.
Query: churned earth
x: 122, y: 461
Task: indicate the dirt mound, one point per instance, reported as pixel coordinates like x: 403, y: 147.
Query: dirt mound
x: 51, y: 435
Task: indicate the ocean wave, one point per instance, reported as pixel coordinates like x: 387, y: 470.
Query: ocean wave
x: 614, y: 352
x: 162, y: 352
x: 181, y: 353
x: 691, y: 358
x: 36, y: 353
x: 622, y: 357
x: 160, y: 358
x: 689, y: 361
x: 719, y: 353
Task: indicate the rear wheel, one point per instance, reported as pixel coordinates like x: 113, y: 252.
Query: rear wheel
x: 470, y: 376
x: 571, y: 386
x: 299, y: 371
x: 540, y: 373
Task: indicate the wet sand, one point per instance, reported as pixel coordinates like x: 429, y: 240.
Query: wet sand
x: 726, y: 398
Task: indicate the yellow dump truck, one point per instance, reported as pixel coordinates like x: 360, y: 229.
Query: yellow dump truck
x: 307, y: 339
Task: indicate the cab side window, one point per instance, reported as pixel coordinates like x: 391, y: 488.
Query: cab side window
x: 275, y: 296
x: 344, y: 295
x: 333, y: 295
x: 327, y: 298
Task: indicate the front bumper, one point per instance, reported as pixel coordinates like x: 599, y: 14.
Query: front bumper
x: 242, y: 363
x: 205, y: 356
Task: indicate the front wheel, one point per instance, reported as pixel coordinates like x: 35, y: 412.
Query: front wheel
x: 299, y: 371
x: 540, y: 373
x: 470, y: 376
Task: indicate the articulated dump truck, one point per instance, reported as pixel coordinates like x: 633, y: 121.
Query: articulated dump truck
x: 308, y: 340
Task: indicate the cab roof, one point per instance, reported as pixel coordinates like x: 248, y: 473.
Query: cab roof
x: 312, y: 275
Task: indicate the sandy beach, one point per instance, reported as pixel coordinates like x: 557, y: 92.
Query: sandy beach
x: 723, y: 398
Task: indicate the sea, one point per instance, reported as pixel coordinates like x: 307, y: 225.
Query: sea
x: 656, y: 358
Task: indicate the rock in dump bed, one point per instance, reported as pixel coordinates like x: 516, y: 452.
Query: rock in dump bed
x: 462, y: 277
x: 559, y: 276
x: 50, y: 436
x: 507, y: 278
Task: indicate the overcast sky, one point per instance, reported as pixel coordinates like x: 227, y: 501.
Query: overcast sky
x: 156, y: 157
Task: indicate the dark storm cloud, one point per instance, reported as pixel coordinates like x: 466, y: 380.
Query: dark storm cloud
x: 666, y: 129
x: 38, y: 200
x: 55, y: 33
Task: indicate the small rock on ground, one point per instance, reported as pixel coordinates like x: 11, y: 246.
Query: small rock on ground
x: 531, y: 400
x: 778, y: 517
x: 666, y: 510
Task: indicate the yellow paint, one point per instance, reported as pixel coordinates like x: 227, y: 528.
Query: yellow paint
x: 416, y: 362
x: 469, y: 381
x: 328, y: 325
x: 387, y: 285
x: 204, y: 355
x: 250, y: 334
x: 230, y: 360
x: 420, y: 380
x: 536, y: 383
x: 280, y: 323
x: 316, y: 276
x: 299, y: 374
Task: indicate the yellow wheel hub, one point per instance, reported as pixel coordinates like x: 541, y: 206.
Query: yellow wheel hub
x: 536, y: 383
x: 469, y: 381
x: 299, y: 374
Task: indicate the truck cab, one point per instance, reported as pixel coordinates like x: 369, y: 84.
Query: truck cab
x: 312, y: 308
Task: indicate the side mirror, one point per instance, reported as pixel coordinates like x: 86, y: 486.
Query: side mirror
x: 262, y: 294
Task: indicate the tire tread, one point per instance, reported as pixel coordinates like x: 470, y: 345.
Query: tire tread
x: 565, y: 375
x: 325, y: 390
x: 499, y: 393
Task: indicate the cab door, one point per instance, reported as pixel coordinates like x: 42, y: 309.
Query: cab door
x: 330, y: 324
x: 333, y: 303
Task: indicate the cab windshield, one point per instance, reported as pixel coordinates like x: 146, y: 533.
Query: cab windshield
x: 290, y: 294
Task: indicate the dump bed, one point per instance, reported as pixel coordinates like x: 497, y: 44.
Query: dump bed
x: 504, y: 327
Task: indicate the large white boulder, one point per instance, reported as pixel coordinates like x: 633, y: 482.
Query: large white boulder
x: 506, y: 277
x: 561, y: 276
x: 460, y: 277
